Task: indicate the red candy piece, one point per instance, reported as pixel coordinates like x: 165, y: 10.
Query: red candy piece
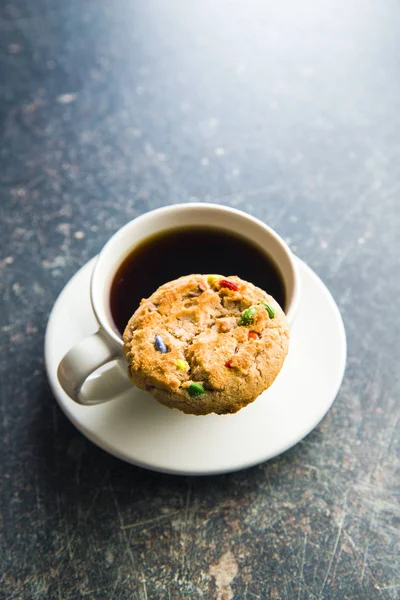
x: 228, y: 364
x: 228, y: 284
x: 253, y: 335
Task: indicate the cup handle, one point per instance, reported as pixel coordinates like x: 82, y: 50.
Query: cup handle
x: 81, y: 361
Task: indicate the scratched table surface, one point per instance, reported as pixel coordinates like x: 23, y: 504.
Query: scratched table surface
x: 289, y: 111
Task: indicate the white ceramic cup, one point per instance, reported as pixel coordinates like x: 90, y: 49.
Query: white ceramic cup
x: 106, y: 344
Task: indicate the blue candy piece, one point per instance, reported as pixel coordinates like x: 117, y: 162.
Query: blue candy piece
x: 159, y: 344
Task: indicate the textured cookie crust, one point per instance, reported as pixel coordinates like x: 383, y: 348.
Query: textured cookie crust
x: 199, y: 320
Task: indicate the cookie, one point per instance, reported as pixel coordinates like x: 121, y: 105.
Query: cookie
x: 206, y: 343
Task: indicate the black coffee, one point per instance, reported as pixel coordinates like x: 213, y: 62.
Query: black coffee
x: 182, y: 251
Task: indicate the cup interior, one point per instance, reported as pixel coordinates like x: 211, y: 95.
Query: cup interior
x: 184, y: 215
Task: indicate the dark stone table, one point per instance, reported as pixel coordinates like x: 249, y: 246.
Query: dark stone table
x: 289, y: 111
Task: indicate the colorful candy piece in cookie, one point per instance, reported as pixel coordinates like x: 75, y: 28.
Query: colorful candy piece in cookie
x: 253, y: 335
x: 248, y: 316
x: 270, y: 309
x: 160, y: 345
x: 183, y: 365
x: 213, y: 278
x: 195, y: 389
x: 231, y: 285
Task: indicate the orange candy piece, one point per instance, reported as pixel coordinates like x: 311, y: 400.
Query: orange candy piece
x: 253, y: 335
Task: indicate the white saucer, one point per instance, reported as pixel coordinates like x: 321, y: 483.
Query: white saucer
x: 135, y: 428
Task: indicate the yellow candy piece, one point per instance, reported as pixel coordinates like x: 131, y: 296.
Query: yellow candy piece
x: 213, y: 278
x: 182, y: 365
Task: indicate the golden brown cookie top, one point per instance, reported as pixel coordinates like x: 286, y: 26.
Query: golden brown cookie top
x: 206, y: 343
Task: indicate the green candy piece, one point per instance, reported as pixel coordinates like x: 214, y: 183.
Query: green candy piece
x: 248, y: 316
x: 270, y: 310
x: 196, y: 389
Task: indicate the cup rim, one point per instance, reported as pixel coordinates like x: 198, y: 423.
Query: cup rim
x: 97, y: 305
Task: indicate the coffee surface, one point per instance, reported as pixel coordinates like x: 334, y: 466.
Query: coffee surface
x: 182, y: 251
